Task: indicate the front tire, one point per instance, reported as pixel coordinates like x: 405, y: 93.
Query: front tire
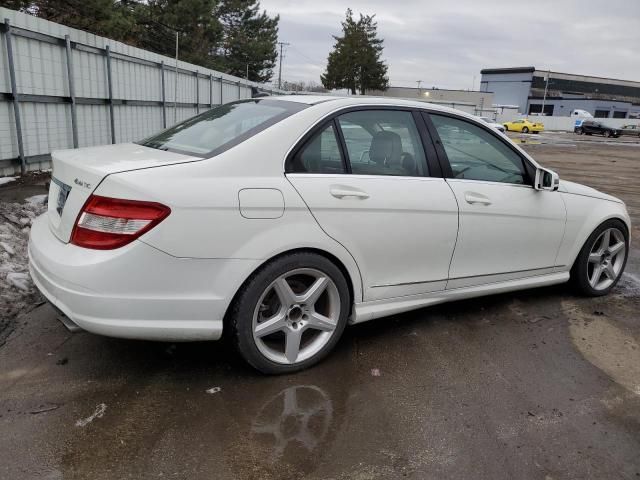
x: 291, y: 313
x: 602, y: 259
x: 525, y: 130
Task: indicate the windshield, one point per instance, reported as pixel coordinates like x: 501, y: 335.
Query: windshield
x: 222, y: 127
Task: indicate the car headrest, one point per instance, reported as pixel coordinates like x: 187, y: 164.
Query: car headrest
x: 386, y: 148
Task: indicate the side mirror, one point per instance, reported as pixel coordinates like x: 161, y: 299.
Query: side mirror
x: 546, y: 180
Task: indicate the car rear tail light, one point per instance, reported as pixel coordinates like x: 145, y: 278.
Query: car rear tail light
x: 107, y: 223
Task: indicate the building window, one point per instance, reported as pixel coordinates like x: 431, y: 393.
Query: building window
x: 601, y: 114
x: 619, y: 114
x: 537, y: 108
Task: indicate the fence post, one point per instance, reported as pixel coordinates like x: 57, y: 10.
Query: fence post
x: 164, y: 100
x: 197, y: 92
x: 110, y: 85
x: 221, y: 90
x: 72, y: 91
x: 210, y: 90
x: 15, y: 97
x: 239, y: 90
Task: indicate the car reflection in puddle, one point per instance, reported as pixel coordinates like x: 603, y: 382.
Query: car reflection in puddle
x: 298, y: 416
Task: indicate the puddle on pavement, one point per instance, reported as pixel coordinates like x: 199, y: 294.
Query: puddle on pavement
x: 275, y: 426
x: 298, y: 417
x: 526, y: 140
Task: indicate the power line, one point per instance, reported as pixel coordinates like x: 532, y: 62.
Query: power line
x: 314, y: 62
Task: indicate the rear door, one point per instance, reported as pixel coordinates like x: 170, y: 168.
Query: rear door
x: 368, y: 181
x: 508, y: 230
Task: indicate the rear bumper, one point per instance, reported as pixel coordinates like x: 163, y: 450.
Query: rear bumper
x: 136, y: 291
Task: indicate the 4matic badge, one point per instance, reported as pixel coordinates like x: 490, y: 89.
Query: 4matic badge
x: 82, y: 183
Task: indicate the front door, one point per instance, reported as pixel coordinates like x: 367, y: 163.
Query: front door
x: 508, y: 230
x: 374, y: 195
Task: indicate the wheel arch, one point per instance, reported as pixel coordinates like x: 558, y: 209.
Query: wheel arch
x: 586, y: 233
x: 354, y: 284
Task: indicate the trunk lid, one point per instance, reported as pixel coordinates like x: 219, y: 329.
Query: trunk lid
x: 77, y: 173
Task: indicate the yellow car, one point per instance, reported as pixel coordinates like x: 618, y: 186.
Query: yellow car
x: 524, y: 126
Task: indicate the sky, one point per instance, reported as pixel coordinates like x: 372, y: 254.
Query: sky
x: 446, y: 43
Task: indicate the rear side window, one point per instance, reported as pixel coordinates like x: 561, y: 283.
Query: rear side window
x: 321, y: 154
x: 383, y: 142
x: 222, y: 127
x: 475, y: 154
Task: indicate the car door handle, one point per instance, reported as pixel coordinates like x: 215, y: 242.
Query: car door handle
x: 474, y: 198
x: 342, y: 192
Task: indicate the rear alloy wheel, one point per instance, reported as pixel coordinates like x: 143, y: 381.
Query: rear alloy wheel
x: 608, y: 134
x: 579, y: 131
x: 291, y: 313
x: 601, y: 261
x: 525, y: 130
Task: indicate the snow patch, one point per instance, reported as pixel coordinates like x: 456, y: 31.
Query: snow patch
x: 37, y: 199
x: 5, y: 180
x: 99, y: 413
x: 17, y: 292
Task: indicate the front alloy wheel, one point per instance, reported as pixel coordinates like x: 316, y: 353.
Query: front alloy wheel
x: 606, y: 259
x: 602, y: 259
x: 290, y: 313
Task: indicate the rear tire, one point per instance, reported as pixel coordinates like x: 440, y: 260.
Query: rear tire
x: 525, y: 130
x: 608, y: 134
x: 506, y: 129
x: 290, y: 313
x: 579, y: 131
x: 597, y: 269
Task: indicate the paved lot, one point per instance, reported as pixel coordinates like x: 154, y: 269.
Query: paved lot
x: 538, y: 384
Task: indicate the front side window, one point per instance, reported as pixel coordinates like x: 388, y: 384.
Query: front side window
x: 321, y: 154
x: 383, y: 142
x: 222, y: 127
x: 475, y: 154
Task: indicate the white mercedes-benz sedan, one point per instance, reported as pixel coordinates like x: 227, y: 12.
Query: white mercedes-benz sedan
x: 279, y: 220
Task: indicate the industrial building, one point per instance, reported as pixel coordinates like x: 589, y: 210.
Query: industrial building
x: 471, y: 101
x: 534, y: 91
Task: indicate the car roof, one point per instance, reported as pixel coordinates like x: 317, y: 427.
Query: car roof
x: 336, y: 102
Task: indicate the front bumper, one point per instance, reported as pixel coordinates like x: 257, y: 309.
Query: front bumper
x: 136, y: 291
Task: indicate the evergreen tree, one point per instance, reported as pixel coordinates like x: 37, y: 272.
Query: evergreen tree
x: 249, y: 40
x: 195, y: 22
x: 228, y: 35
x: 107, y: 18
x: 355, y: 62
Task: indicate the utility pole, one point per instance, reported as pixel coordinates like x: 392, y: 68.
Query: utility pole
x: 282, y: 44
x: 544, y: 97
x: 175, y: 92
x: 419, y: 91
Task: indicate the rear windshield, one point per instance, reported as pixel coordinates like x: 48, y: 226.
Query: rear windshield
x: 222, y: 127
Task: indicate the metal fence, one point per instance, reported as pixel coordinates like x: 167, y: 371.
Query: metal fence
x: 65, y: 88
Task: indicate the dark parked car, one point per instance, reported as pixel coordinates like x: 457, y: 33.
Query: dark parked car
x: 633, y: 130
x: 589, y: 127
